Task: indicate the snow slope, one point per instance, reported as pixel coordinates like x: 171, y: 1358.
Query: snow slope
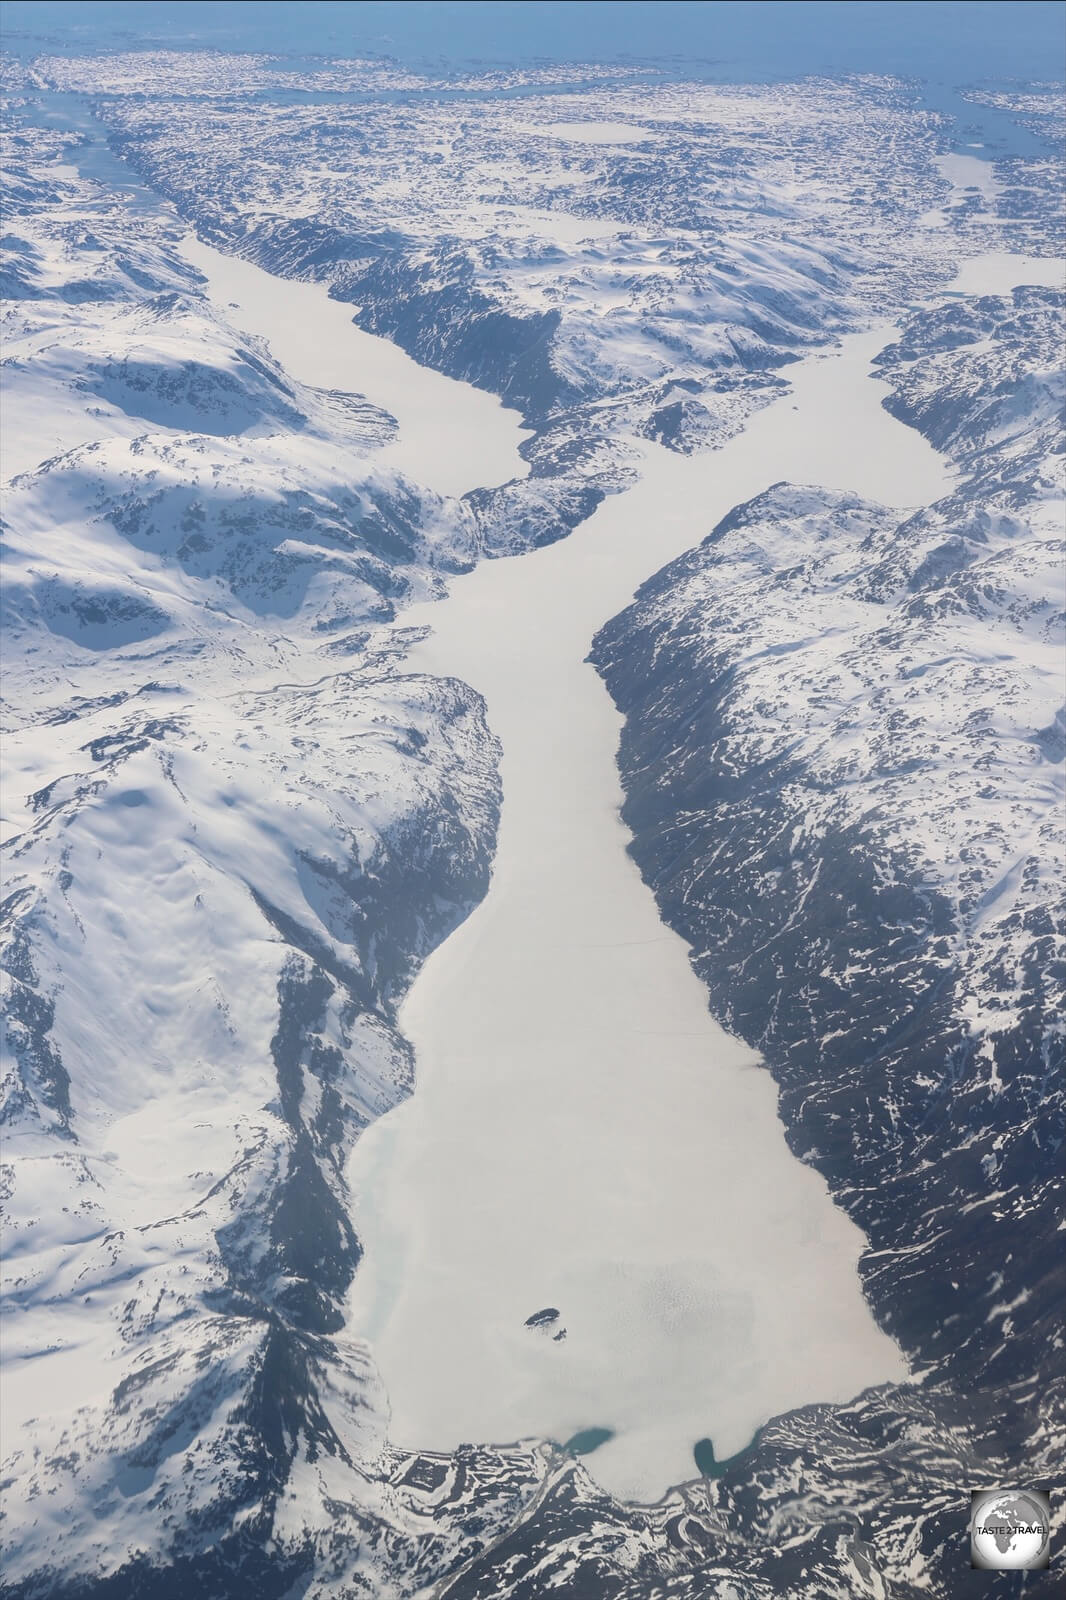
x: 238, y: 822
x: 233, y: 833
x: 843, y: 763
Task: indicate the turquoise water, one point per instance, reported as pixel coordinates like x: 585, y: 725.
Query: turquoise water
x: 707, y: 1463
x: 588, y: 1440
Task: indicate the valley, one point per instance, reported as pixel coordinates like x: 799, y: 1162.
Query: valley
x: 532, y: 778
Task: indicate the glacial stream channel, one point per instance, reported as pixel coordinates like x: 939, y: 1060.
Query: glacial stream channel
x: 583, y: 1136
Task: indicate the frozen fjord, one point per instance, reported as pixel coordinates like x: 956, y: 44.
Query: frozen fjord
x: 583, y: 1135
x: 451, y: 437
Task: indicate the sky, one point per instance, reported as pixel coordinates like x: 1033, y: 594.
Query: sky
x: 957, y: 41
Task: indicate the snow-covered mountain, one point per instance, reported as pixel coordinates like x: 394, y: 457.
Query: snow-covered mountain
x: 234, y: 830
x: 673, y: 240
x: 843, y: 763
x: 237, y: 823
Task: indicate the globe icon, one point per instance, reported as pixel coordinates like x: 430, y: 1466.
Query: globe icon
x: 1009, y: 1530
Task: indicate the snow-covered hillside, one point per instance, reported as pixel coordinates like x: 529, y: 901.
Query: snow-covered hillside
x: 234, y: 830
x: 236, y: 823
x: 673, y: 263
x: 843, y: 761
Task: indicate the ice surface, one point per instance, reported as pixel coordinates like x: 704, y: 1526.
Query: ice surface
x: 451, y: 437
x: 970, y: 172
x: 998, y: 272
x: 583, y: 1134
x: 594, y: 132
